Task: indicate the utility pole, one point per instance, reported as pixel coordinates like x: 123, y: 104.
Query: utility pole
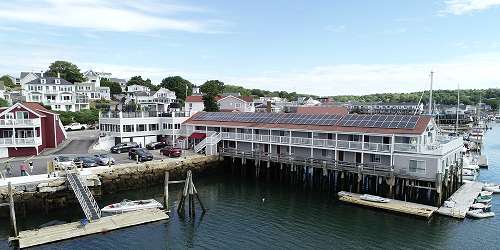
x: 458, y: 107
x: 430, y: 94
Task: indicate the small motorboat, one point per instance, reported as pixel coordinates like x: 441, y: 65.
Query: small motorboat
x: 484, y: 206
x: 469, y: 175
x: 128, y: 206
x: 484, y: 198
x: 494, y: 188
x: 374, y: 198
x: 479, y: 214
x: 486, y: 193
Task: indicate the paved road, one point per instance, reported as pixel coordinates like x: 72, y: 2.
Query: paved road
x: 81, y: 141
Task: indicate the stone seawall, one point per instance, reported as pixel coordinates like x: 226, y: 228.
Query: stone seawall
x: 55, y: 193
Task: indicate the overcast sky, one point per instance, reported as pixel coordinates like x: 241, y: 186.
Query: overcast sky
x: 318, y: 47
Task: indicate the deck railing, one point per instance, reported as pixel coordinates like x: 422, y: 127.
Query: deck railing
x: 316, y: 142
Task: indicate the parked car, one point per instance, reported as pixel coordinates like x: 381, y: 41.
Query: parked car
x: 104, y: 159
x: 156, y: 145
x: 142, y: 154
x: 75, y: 126
x: 171, y: 151
x: 63, y: 162
x: 123, y: 147
x: 85, y: 161
x: 93, y: 126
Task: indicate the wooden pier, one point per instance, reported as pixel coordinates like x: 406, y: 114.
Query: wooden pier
x: 464, y: 197
x: 393, y: 205
x: 75, y: 229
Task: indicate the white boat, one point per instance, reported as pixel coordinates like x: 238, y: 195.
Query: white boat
x: 128, y: 205
x: 482, y: 206
x: 469, y: 175
x: 494, y: 189
x: 484, y: 199
x: 486, y: 193
x: 479, y: 213
x: 482, y: 161
x: 374, y: 198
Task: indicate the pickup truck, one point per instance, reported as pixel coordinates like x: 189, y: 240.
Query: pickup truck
x: 75, y: 126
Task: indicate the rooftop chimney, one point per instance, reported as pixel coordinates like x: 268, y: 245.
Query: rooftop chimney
x: 58, y: 75
x: 269, y: 107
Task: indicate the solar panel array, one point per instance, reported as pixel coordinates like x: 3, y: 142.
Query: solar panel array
x: 366, y: 121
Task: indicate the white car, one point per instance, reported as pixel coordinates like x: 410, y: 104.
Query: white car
x: 75, y: 126
x: 63, y: 162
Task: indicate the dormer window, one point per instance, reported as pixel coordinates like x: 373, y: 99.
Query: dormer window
x: 43, y: 81
x: 57, y: 81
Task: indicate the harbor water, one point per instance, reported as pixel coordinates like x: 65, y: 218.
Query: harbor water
x: 254, y: 214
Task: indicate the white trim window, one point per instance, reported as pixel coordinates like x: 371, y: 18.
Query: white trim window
x: 375, y: 158
x: 416, y: 166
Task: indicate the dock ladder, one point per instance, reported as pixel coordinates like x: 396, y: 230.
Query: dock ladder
x: 84, y: 196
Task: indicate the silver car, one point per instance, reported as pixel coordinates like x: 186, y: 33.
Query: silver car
x: 63, y: 162
x: 104, y: 159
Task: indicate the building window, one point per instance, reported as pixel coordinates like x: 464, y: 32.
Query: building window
x: 170, y: 126
x: 153, y: 127
x: 416, y: 166
x: 177, y: 126
x: 22, y: 115
x: 128, y: 128
x: 237, y: 105
x: 58, y: 106
x: 68, y: 107
x: 375, y: 158
x: 141, y: 127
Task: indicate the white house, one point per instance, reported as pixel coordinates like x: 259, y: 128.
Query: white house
x: 26, y: 77
x: 134, y: 88
x: 53, y: 91
x: 194, y: 103
x: 236, y: 103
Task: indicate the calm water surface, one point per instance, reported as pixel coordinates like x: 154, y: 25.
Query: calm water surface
x: 288, y: 218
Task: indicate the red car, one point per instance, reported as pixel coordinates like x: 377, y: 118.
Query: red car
x: 171, y: 151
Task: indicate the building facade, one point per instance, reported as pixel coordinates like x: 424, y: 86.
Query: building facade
x: 27, y: 129
x: 140, y: 127
x: 55, y: 92
x: 386, y: 108
x: 195, y: 104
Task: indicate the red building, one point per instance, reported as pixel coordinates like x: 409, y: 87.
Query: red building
x: 27, y: 129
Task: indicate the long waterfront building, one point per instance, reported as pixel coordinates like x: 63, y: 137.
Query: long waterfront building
x: 401, y: 146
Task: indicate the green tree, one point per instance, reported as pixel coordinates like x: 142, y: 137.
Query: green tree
x: 7, y: 82
x: 3, y: 103
x: 178, y: 85
x: 68, y: 71
x: 139, y: 81
x: 210, y: 103
x: 114, y: 87
x: 212, y: 87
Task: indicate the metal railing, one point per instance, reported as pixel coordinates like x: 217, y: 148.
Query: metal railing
x: 14, y: 122
x: 74, y: 179
x: 374, y: 168
x: 316, y: 142
x: 21, y: 141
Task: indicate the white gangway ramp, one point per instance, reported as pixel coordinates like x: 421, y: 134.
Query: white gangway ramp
x: 84, y: 196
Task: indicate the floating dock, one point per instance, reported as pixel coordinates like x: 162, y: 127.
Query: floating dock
x: 75, y: 229
x: 464, y: 197
x: 393, y: 205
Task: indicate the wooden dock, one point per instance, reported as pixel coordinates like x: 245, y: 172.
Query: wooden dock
x: 464, y: 197
x: 72, y: 230
x: 393, y: 205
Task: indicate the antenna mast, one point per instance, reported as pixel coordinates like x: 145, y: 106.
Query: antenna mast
x: 430, y: 94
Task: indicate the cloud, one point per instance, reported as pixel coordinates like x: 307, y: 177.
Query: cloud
x: 461, y: 7
x: 105, y: 15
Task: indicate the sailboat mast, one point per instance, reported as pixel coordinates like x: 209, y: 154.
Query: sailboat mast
x: 430, y: 94
x: 458, y: 106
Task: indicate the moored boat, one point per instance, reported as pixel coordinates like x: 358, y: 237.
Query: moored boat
x: 479, y: 214
x: 494, y: 189
x: 128, y: 205
x: 374, y: 198
x: 484, y: 206
x: 484, y: 198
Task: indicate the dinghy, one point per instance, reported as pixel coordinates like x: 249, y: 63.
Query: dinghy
x: 486, y: 193
x: 494, y: 189
x: 128, y: 205
x: 479, y: 214
x: 483, y: 206
x: 374, y: 198
x: 484, y: 198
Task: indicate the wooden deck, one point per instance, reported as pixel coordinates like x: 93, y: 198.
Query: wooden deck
x: 393, y: 205
x: 72, y: 230
x: 464, y: 197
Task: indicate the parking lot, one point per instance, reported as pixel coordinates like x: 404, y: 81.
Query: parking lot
x: 79, y: 145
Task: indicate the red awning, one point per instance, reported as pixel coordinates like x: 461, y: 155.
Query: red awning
x: 198, y: 136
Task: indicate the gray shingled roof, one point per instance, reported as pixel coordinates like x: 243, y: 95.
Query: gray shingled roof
x: 117, y: 80
x: 50, y: 81
x: 23, y: 74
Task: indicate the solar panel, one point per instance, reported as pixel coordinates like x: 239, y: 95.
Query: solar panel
x: 349, y: 120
